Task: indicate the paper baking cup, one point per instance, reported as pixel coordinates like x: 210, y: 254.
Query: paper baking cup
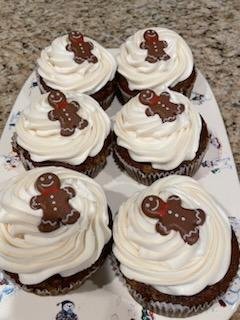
x: 73, y: 284
x: 124, y: 96
x: 104, y: 103
x: 107, y: 102
x: 28, y: 164
x: 169, y: 309
x: 54, y: 291
x: 148, y: 178
x: 162, y: 308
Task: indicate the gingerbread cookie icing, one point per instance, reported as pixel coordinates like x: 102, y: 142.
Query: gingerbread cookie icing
x: 155, y: 58
x: 66, y: 113
x: 172, y: 216
x: 66, y: 128
x: 154, y: 46
x: 82, y: 49
x: 161, y: 105
x: 159, y: 127
x: 76, y: 63
x: 54, y: 202
x: 38, y: 241
x: 168, y: 256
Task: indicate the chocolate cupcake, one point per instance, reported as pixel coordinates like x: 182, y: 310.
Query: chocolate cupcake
x: 174, y: 247
x: 71, y: 131
x: 154, y: 59
x: 55, y: 229
x: 75, y: 63
x: 157, y: 135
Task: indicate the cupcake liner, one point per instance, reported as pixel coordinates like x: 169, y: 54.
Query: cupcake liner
x: 28, y: 164
x: 185, y: 87
x: 148, y: 178
x: 169, y: 309
x: 53, y: 291
x: 57, y: 287
x: 123, y: 96
x: 104, y: 102
x: 162, y: 308
x: 107, y: 102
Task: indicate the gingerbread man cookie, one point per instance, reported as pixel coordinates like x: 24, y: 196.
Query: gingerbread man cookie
x: 160, y: 105
x: 66, y: 113
x: 54, y: 203
x: 172, y: 216
x: 82, y: 49
x: 154, y: 46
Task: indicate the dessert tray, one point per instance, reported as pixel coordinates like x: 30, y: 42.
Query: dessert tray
x: 104, y: 295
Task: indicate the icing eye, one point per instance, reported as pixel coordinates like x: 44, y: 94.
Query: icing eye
x: 150, y: 198
x: 49, y: 177
x: 183, y: 219
x: 176, y: 215
x: 169, y: 211
x: 42, y: 179
x: 147, y: 205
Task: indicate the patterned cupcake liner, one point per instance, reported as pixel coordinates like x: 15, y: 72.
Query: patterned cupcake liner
x: 169, y: 309
x: 148, y: 178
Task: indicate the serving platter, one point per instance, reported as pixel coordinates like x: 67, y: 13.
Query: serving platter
x: 104, y: 295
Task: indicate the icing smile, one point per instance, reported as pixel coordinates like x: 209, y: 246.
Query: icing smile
x: 46, y: 185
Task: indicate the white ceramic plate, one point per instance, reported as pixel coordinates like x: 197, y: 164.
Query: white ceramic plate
x: 104, y: 295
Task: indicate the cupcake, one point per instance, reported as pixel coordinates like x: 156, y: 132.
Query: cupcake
x: 157, y: 135
x: 75, y: 63
x: 71, y: 131
x: 154, y: 59
x: 55, y: 229
x: 174, y: 247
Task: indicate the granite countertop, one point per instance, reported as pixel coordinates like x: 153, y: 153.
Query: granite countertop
x: 210, y: 27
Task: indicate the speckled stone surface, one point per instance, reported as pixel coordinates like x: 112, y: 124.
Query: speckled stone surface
x: 210, y: 27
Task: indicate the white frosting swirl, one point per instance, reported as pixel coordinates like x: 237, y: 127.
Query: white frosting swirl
x: 142, y: 74
x: 166, y: 262
x: 59, y: 70
x: 147, y: 139
x: 41, y: 136
x: 36, y: 256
